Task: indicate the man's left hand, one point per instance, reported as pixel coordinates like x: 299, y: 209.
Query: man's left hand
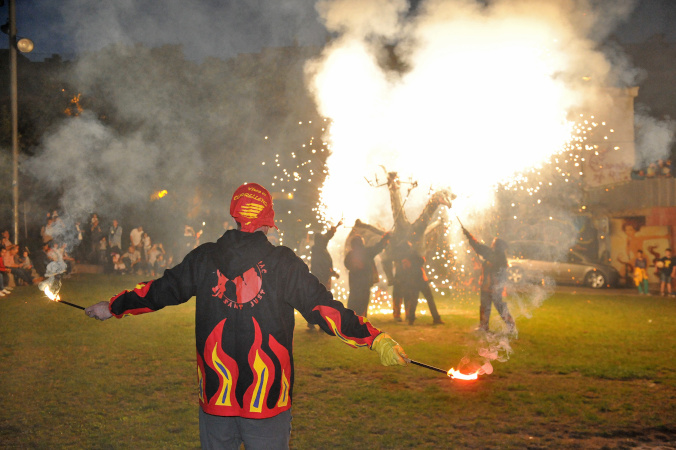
x: 100, y: 311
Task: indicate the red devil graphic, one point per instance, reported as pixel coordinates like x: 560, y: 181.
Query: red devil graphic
x: 243, y: 289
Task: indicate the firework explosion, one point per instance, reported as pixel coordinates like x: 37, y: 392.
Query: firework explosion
x: 298, y: 176
x: 478, y: 99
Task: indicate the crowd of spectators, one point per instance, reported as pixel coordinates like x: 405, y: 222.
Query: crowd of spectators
x: 102, y: 245
x: 16, y: 266
x: 659, y: 169
x: 63, y: 243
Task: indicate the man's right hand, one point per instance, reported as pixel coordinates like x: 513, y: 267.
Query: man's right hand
x: 390, y: 352
x: 100, y: 311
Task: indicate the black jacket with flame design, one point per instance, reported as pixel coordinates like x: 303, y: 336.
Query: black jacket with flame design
x: 246, y: 292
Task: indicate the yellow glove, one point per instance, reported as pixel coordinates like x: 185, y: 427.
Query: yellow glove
x: 391, y: 353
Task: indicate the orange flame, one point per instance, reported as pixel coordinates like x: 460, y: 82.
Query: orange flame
x: 52, y: 296
x: 74, y: 108
x: 457, y: 375
x: 158, y: 195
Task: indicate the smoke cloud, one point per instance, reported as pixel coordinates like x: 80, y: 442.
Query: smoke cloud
x: 209, y: 28
x: 457, y: 85
x: 653, y: 138
x: 159, y: 115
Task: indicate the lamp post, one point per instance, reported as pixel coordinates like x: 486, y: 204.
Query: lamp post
x: 24, y: 45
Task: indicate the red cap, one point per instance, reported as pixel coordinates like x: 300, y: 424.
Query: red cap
x: 251, y: 207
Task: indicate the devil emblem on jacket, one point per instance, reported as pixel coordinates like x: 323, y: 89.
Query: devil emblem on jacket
x: 242, y: 290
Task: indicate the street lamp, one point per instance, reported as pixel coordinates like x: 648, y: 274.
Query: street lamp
x: 23, y: 45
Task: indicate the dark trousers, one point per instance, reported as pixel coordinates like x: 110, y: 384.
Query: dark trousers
x: 426, y: 291
x: 225, y: 433
x: 23, y: 274
x: 410, y: 303
x: 424, y: 288
x: 358, y: 300
x: 397, y: 299
x: 489, y: 298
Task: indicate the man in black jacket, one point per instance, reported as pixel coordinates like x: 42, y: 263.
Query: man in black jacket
x: 246, y: 292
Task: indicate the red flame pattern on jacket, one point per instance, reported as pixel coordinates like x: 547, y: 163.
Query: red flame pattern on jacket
x: 256, y: 395
x: 223, y: 402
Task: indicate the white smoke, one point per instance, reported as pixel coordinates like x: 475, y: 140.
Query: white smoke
x: 205, y: 29
x: 653, y: 138
x: 456, y: 85
x: 96, y: 169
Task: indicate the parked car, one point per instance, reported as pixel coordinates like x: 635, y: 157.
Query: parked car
x: 534, y: 261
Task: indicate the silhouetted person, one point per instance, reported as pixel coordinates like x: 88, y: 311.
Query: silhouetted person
x: 493, y: 280
x: 362, y: 272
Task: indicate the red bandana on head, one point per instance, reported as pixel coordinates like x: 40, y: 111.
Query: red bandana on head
x: 251, y: 207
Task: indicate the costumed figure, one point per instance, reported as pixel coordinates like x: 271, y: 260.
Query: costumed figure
x: 493, y: 280
x: 407, y: 233
x: 321, y: 261
x: 362, y: 271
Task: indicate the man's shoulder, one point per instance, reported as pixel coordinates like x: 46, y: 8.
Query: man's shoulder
x: 281, y: 252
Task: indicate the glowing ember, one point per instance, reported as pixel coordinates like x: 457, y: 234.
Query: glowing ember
x: 457, y: 375
x: 158, y: 195
x: 74, y: 108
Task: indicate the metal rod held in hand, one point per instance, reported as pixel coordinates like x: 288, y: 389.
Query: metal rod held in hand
x: 426, y: 366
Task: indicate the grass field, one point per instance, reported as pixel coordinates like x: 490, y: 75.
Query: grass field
x: 587, y: 371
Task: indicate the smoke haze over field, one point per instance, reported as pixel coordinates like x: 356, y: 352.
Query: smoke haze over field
x: 436, y: 92
x: 153, y: 120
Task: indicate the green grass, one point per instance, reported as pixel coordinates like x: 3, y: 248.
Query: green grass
x: 587, y: 371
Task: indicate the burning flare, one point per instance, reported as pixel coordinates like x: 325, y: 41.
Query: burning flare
x: 457, y: 375
x: 52, y: 296
x: 51, y: 287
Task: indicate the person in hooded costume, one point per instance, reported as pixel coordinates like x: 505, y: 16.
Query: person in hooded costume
x: 362, y: 271
x: 246, y: 292
x: 321, y: 261
x: 493, y: 280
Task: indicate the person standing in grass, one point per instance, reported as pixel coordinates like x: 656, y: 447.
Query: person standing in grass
x: 493, y: 280
x: 640, y: 273
x: 362, y: 272
x: 321, y: 263
x: 246, y: 292
x: 665, y: 267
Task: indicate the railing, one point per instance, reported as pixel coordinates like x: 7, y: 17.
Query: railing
x: 636, y: 194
